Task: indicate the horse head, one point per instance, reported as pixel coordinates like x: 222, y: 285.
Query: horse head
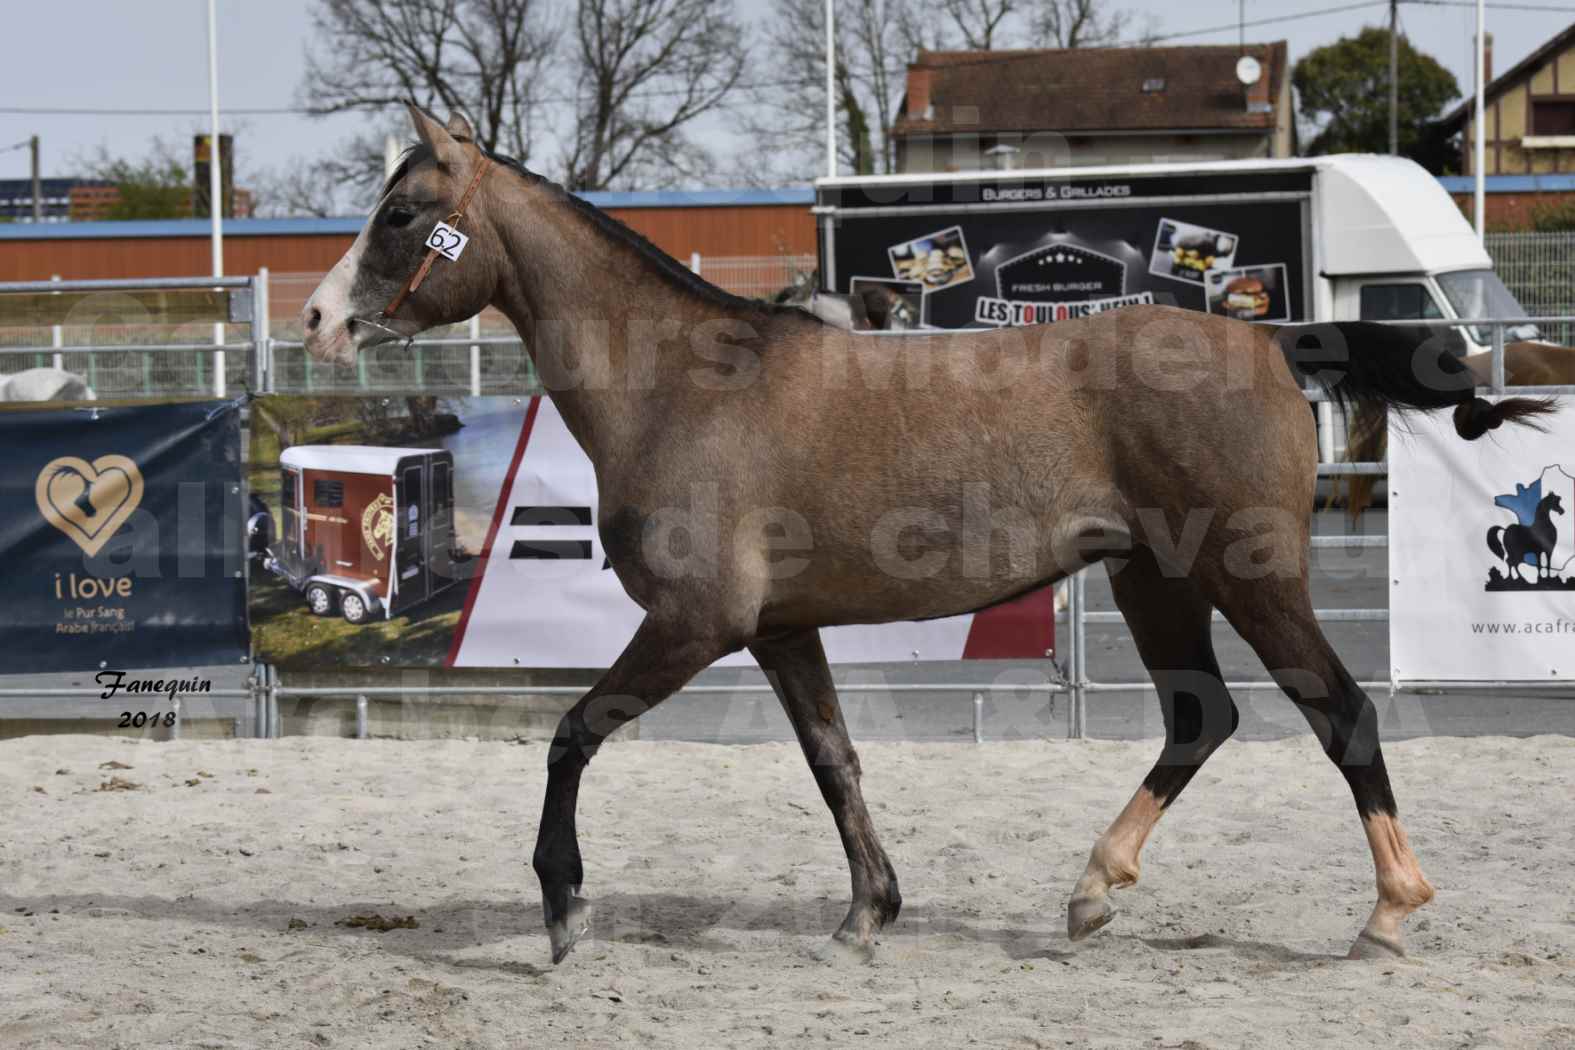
x: 390, y: 287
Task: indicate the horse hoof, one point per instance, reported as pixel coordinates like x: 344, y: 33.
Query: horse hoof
x: 1084, y: 915
x: 565, y: 933
x: 846, y: 950
x: 1371, y: 946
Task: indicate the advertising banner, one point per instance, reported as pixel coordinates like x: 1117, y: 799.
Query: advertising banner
x: 1020, y: 252
x: 121, y: 533
x: 462, y: 533
x: 1482, y: 551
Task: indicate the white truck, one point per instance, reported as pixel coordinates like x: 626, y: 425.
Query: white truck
x: 1345, y: 237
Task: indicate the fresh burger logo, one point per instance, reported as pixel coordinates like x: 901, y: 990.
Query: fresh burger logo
x: 1059, y: 282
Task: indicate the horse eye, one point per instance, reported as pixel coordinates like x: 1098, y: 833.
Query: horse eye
x: 398, y: 217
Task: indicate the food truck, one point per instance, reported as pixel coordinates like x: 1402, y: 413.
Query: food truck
x: 1336, y: 238
x: 365, y: 531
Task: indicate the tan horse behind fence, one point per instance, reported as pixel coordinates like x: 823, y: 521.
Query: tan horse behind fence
x: 1367, y: 436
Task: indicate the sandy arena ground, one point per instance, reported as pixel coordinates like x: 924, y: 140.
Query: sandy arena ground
x: 205, y: 907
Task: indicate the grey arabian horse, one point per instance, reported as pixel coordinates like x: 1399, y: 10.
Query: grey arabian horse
x: 45, y: 384
x: 763, y: 474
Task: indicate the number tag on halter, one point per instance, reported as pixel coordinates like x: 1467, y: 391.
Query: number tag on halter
x: 448, y: 241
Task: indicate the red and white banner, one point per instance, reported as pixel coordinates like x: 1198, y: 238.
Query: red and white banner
x: 545, y: 597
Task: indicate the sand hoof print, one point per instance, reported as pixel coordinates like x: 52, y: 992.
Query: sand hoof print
x: 842, y: 949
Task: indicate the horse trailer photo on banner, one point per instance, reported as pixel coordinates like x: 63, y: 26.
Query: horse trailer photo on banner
x: 366, y: 532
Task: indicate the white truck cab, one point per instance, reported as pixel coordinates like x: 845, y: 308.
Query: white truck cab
x: 1393, y: 246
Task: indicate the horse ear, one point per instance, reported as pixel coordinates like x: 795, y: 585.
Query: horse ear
x: 460, y: 128
x: 433, y: 134
x: 428, y: 130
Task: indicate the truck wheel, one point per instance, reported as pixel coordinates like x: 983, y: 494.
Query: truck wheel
x: 319, y: 599
x: 353, y: 608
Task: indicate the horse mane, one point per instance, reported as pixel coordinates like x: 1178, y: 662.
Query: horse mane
x: 670, y: 269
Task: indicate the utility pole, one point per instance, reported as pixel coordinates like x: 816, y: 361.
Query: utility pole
x: 1478, y: 147
x: 1394, y: 78
x: 831, y: 89
x: 38, y: 188
x: 215, y: 201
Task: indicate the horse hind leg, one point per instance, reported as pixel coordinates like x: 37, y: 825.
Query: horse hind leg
x: 796, y: 666
x: 1170, y: 622
x: 1274, y: 615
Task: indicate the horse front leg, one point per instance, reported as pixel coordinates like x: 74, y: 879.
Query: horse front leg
x: 796, y: 666
x: 659, y: 659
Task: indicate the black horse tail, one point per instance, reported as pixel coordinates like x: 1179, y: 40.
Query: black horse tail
x: 1405, y: 367
x: 1493, y: 544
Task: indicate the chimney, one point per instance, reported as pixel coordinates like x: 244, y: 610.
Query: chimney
x: 919, y: 105
x: 1487, y: 58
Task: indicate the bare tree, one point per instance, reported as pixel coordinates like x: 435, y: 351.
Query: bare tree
x: 484, y: 58
x: 647, y: 69
x: 316, y: 190
x: 977, y: 21
x: 875, y: 42
x: 1077, y: 23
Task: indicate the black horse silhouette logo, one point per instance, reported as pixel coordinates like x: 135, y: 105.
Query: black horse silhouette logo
x: 1529, y: 544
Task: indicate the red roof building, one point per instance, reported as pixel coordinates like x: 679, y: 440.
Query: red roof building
x: 973, y: 110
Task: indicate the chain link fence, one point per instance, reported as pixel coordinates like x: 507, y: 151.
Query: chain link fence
x: 81, y: 331
x: 755, y: 276
x: 1539, y: 268
x: 142, y: 371
x: 495, y: 368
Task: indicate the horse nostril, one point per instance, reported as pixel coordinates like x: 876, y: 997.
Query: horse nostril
x: 313, y: 319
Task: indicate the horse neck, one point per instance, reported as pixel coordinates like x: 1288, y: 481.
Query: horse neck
x: 583, y: 298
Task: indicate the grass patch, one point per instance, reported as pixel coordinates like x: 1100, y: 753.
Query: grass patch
x: 285, y: 632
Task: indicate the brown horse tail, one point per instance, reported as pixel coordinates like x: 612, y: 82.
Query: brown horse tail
x: 1493, y: 542
x: 1367, y: 440
x: 1404, y: 367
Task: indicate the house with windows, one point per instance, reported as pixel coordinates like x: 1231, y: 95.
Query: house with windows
x: 1529, y: 114
x: 977, y: 110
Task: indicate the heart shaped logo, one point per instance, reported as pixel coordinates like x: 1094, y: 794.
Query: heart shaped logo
x: 89, y: 502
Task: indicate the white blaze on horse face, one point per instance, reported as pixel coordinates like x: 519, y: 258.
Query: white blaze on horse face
x: 326, y: 317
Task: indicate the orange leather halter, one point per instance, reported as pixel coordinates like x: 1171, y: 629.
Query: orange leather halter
x: 453, y: 220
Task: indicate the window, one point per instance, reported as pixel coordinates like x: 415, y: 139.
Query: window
x: 411, y: 500
x: 328, y: 492
x: 1398, y: 302
x: 1479, y: 293
x: 1552, y: 117
x: 287, y: 487
x: 442, y: 494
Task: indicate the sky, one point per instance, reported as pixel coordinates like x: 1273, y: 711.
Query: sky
x: 152, y: 54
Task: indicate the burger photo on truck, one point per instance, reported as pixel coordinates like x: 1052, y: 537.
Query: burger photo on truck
x: 1251, y: 293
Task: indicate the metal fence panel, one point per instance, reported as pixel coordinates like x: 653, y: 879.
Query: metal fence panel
x: 1539, y: 268
x: 756, y: 276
